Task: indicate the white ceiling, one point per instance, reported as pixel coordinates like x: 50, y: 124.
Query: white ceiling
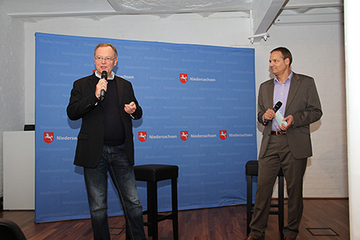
x: 263, y: 13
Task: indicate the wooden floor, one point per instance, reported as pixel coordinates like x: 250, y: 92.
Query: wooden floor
x: 322, y: 219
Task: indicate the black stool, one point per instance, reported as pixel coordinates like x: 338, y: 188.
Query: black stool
x: 252, y: 171
x: 152, y: 173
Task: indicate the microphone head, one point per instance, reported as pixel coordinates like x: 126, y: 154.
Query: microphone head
x: 277, y: 106
x: 104, y: 75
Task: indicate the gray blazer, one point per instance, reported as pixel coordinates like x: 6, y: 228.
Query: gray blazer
x: 303, y: 104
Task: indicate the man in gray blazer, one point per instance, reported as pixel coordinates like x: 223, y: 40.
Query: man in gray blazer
x: 105, y: 141
x: 286, y: 145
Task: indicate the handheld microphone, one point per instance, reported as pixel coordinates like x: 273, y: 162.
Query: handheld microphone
x: 102, y: 92
x: 275, y: 108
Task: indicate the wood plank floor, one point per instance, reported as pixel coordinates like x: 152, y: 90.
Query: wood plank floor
x: 323, y: 219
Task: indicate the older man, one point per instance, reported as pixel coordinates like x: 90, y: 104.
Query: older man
x: 105, y: 141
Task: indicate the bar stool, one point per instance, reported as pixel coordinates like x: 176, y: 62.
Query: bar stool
x: 152, y: 174
x: 252, y: 171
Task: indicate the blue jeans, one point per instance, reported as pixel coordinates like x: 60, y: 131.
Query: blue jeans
x: 115, y: 161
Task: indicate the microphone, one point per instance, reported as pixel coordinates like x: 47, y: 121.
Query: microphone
x: 275, y: 108
x: 102, y: 92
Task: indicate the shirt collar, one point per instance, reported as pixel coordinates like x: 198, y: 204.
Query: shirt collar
x: 288, y: 79
x: 111, y: 78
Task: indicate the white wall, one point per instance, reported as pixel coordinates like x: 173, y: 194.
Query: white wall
x: 352, y: 49
x: 12, y: 107
x: 318, y: 51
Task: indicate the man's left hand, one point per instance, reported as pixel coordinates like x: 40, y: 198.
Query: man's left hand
x: 289, y: 120
x: 130, y: 108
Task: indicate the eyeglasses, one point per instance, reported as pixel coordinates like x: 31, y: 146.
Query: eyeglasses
x: 107, y: 59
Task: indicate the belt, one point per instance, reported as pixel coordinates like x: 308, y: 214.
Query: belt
x: 278, y: 133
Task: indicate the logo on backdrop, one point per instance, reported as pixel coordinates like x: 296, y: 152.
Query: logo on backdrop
x: 184, y: 135
x: 183, y: 77
x: 223, y: 134
x: 48, y: 137
x: 142, y: 136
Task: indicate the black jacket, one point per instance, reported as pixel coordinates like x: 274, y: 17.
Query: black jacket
x: 83, y: 104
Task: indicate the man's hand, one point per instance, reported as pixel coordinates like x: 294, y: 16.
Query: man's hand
x: 269, y: 114
x: 102, y: 84
x: 130, y: 108
x: 289, y: 120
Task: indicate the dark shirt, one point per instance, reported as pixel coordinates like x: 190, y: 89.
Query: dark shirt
x: 114, y: 127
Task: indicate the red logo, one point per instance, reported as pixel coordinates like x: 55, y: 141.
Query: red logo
x: 184, y: 135
x: 142, y: 136
x: 48, y: 137
x: 223, y: 134
x: 183, y: 77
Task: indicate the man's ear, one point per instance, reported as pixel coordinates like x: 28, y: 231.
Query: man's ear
x: 287, y: 61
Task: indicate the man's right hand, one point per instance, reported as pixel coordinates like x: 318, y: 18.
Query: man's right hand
x: 102, y: 84
x: 269, y: 114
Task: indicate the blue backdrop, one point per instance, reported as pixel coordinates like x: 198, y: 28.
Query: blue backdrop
x: 199, y: 113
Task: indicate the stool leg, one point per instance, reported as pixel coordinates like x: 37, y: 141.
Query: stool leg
x: 248, y: 202
x: 152, y: 210
x: 281, y: 206
x: 174, y: 208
